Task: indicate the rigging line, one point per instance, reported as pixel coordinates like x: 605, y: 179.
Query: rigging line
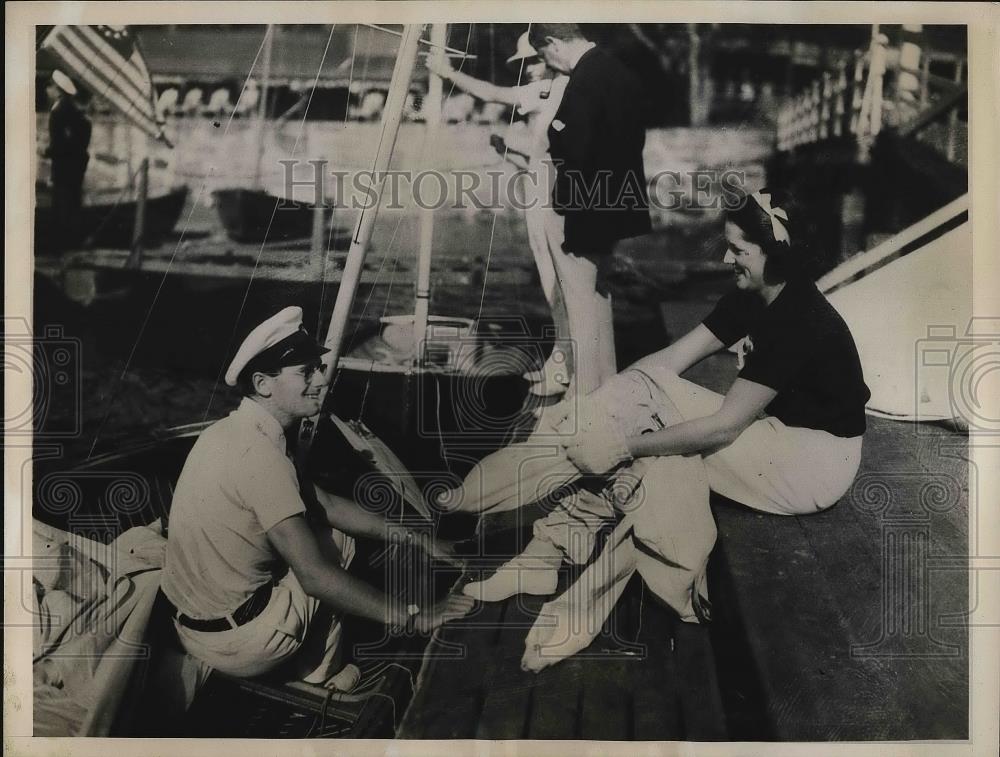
x: 260, y: 251
x: 127, y: 186
x: 378, y: 147
x: 385, y: 257
x: 427, y: 42
x: 368, y: 55
x: 378, y: 274
x: 493, y: 225
x: 364, y: 77
x: 385, y: 306
x: 360, y: 319
x: 177, y: 247
x: 333, y: 214
x: 442, y: 447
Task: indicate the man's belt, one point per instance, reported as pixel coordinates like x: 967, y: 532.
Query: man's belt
x: 243, y: 614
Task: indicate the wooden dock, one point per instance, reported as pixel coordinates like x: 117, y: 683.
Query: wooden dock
x: 843, y: 625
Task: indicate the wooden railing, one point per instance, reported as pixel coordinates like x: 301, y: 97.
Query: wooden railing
x: 881, y: 87
x: 865, y: 262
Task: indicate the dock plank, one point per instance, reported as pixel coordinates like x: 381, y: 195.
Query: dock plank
x: 832, y: 659
x: 448, y: 699
x: 556, y: 699
x: 701, y: 704
x: 508, y: 689
x: 606, y: 714
x: 796, y: 632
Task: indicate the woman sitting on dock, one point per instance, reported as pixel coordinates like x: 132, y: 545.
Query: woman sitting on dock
x: 785, y: 439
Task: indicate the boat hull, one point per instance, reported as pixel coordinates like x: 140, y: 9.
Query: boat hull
x: 254, y: 216
x: 434, y: 420
x: 112, y: 225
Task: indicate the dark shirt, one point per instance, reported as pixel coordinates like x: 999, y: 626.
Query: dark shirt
x: 802, y: 349
x: 596, y: 139
x: 69, y: 136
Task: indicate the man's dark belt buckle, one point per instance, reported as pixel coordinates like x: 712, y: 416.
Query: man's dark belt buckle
x: 243, y: 614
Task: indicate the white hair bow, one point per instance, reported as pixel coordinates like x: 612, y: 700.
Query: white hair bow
x: 777, y: 227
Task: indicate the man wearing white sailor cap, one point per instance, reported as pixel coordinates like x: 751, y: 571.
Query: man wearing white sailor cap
x: 254, y: 581
x: 67, y: 149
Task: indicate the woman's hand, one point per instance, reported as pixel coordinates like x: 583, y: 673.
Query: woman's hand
x: 597, y: 446
x: 598, y: 452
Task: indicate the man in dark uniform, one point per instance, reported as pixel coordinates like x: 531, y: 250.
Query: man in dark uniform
x: 596, y: 140
x: 69, y: 138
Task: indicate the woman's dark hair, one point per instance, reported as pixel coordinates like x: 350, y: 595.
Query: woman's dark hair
x: 784, y: 261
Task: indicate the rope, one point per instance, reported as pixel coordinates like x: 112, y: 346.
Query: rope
x: 493, y: 225
x: 128, y: 185
x: 260, y: 251
x: 427, y: 42
x: 395, y: 262
x: 333, y: 215
x: 166, y: 271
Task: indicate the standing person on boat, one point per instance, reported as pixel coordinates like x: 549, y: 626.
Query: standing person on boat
x: 69, y: 140
x: 528, y: 149
x: 596, y: 140
x: 785, y: 439
x: 256, y: 555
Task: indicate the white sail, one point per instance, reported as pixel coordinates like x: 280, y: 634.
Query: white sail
x: 911, y: 347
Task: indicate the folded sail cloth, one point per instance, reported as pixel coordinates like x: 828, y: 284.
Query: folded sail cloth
x: 536, y: 468
x: 87, y: 667
x: 667, y: 531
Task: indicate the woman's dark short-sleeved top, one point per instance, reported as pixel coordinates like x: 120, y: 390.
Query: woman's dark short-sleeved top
x: 800, y: 347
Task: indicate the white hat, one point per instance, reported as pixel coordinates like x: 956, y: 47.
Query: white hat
x: 279, y: 341
x: 63, y: 82
x: 524, y: 49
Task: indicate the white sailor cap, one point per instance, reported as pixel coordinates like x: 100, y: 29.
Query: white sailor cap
x: 279, y: 341
x: 63, y: 82
x: 524, y: 50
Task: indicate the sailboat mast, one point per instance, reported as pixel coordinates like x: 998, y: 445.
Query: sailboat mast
x: 432, y: 111
x: 392, y: 115
x: 265, y: 81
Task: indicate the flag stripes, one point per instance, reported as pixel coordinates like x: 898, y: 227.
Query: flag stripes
x: 124, y: 82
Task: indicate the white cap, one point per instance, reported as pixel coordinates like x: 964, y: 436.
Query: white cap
x: 524, y: 49
x: 63, y: 82
x: 279, y: 341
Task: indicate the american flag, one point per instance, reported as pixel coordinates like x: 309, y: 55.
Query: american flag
x: 108, y: 61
